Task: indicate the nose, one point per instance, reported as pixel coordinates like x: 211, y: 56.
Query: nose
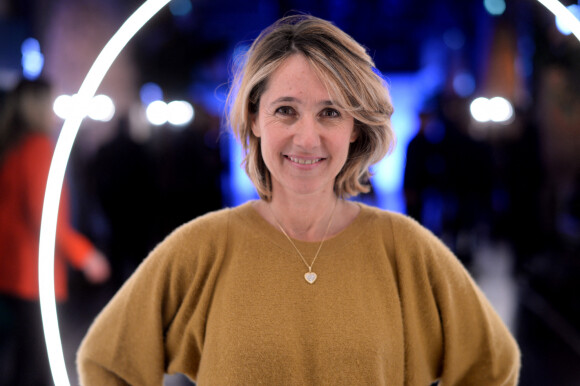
x: 307, y: 133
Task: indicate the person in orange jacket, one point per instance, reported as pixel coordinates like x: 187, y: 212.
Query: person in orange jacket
x: 26, y: 149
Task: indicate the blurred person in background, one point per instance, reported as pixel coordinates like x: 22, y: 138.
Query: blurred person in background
x: 303, y: 287
x: 120, y: 174
x: 448, y: 177
x: 26, y: 150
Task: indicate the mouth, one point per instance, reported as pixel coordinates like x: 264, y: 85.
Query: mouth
x: 304, y: 161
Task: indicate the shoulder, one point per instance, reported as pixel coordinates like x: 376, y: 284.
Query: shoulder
x: 207, y: 226
x: 189, y: 250
x: 217, y: 220
x: 407, y: 238
x: 205, y: 233
x: 401, y: 225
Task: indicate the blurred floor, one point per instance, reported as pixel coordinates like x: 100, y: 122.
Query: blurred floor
x: 550, y: 344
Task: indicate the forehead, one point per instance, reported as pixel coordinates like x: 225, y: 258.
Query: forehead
x: 296, y: 75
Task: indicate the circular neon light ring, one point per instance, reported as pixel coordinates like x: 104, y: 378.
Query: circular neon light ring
x: 56, y: 176
x: 62, y: 153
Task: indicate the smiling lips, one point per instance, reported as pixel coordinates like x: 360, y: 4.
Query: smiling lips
x: 303, y: 161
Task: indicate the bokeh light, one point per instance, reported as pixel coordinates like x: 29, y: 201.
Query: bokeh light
x: 156, y: 113
x: 454, y: 38
x: 176, y: 113
x: 180, y: 7
x: 179, y: 113
x: 500, y: 110
x: 479, y: 109
x: 464, y: 84
x: 496, y: 109
x: 61, y: 105
x: 494, y: 7
x: 32, y: 58
x: 102, y: 108
x: 150, y: 92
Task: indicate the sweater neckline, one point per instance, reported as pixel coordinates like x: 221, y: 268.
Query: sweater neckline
x: 272, y: 234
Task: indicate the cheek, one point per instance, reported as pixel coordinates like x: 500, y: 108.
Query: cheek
x: 267, y: 145
x: 272, y: 134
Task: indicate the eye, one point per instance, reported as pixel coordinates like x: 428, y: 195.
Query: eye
x: 330, y: 113
x: 285, y: 110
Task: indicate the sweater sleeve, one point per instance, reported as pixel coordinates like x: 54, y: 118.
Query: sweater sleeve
x: 125, y: 344
x: 477, y: 349
x: 140, y: 333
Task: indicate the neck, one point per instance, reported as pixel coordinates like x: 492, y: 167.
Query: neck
x: 304, y: 218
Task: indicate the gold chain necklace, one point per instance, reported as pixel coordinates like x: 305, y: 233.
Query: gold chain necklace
x: 309, y: 276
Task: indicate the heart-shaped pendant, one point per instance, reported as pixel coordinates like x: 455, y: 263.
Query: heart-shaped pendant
x: 310, y: 277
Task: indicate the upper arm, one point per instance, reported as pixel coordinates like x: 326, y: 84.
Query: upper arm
x: 475, y: 345
x: 126, y: 341
x: 134, y: 338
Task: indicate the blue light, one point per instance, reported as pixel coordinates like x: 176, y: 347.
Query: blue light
x: 464, y: 84
x: 32, y: 59
x: 494, y: 7
x: 150, y: 92
x: 180, y: 7
x: 406, y: 90
x: 242, y: 188
x: 454, y: 38
x: 32, y: 64
x: 30, y: 45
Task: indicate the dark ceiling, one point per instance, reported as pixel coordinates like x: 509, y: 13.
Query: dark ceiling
x: 179, y: 48
x: 176, y: 50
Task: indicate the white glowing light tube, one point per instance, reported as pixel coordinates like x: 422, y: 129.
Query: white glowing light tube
x: 564, y: 14
x: 56, y: 176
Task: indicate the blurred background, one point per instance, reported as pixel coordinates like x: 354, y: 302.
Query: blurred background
x: 487, y: 117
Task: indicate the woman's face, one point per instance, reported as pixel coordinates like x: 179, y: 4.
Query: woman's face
x: 305, y: 136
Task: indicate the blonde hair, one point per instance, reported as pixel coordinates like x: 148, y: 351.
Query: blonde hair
x: 349, y: 74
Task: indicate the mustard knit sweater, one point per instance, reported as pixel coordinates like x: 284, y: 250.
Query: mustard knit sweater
x: 223, y: 300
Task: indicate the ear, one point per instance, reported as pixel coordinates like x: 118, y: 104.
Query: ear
x: 354, y: 134
x: 255, y: 125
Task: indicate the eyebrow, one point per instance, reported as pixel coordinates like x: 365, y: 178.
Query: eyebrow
x: 296, y: 100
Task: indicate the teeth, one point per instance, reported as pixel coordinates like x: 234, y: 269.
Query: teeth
x: 305, y: 161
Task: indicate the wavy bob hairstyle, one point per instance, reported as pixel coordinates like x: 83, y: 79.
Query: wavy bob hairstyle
x: 346, y: 70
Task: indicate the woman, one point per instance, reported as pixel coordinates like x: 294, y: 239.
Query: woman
x: 303, y: 287
x: 25, y: 155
